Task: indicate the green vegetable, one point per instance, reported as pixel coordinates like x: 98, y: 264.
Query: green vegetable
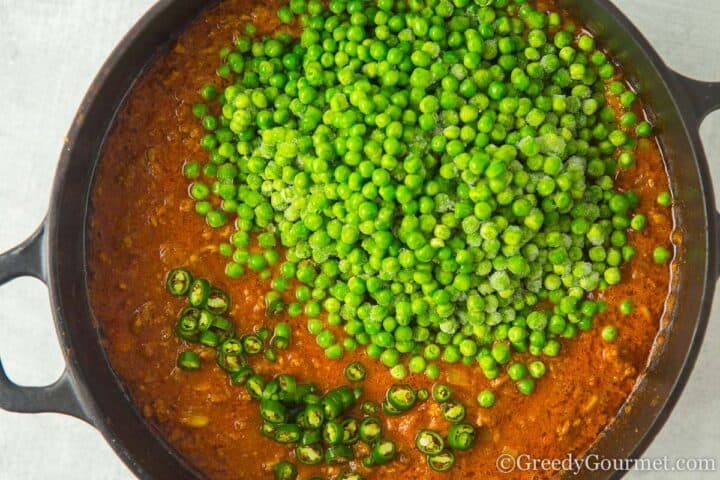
x: 229, y: 355
x: 441, y: 393
x: 332, y: 432
x: 368, y: 407
x: 440, y: 178
x: 383, y: 451
x: 285, y: 471
x: 351, y: 431
x: 429, y: 442
x: 355, y: 372
x: 626, y: 307
x: 309, y: 454
x: 402, y: 397
x: 272, y: 411
x: 661, y: 255
x: 217, y: 301
x: 188, y: 360
x: 486, y: 398
x: 526, y: 386
x: 537, y: 369
x: 441, y: 462
x: 370, y: 429
x: 664, y: 199
x: 199, y: 292
x: 347, y: 474
x: 461, y: 436
x: 422, y: 394
x: 178, y: 282
x: 255, y: 385
x: 241, y: 376
x: 338, y: 454
x: 609, y: 333
x: 287, y: 433
x: 311, y: 417
x: 252, y: 344
x: 453, y: 411
x: 188, y: 325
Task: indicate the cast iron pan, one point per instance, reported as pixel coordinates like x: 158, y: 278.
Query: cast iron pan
x: 55, y: 253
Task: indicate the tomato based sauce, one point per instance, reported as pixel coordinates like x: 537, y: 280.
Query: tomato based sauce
x: 143, y: 224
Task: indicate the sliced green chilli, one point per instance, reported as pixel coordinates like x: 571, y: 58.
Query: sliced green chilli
x: 305, y: 393
x: 311, y: 436
x: 332, y: 432
x: 429, y: 442
x: 263, y: 333
x: 231, y: 346
x: 206, y: 320
x: 268, y: 429
x: 383, y: 451
x: 389, y: 409
x: 333, y: 404
x: 453, y: 411
x: 285, y: 471
x: 270, y: 355
x: 311, y: 399
x: 287, y: 433
x: 370, y: 429
x: 288, y: 384
x: 461, y: 436
x: 347, y: 396
x: 229, y: 356
x: 241, y: 376
x: 338, y: 454
x: 273, y: 411
x: 347, y: 474
x: 178, y: 282
x: 271, y: 390
x: 273, y: 304
x: 311, y: 417
x: 422, y: 394
x: 218, y: 301
x: 402, y: 397
x: 255, y: 386
x: 188, y: 360
x: 311, y: 454
x: 442, y: 462
x: 281, y: 343
x: 369, y: 407
x: 355, y: 372
x: 252, y: 344
x: 351, y: 431
x: 441, y: 392
x: 209, y: 338
x: 187, y: 326
x: 199, y: 291
x: 223, y: 327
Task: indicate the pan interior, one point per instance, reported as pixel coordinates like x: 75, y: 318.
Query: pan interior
x: 114, y: 413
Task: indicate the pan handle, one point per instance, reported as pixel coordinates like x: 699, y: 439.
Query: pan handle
x: 29, y: 259
x: 704, y: 96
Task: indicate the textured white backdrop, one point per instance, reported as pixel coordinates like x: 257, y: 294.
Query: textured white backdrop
x: 50, y: 51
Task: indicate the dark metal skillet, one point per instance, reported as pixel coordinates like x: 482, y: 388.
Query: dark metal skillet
x: 56, y: 252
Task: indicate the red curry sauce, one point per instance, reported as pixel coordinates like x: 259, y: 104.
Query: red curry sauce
x: 143, y: 225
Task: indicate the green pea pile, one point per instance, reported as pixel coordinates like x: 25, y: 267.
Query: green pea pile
x: 433, y: 177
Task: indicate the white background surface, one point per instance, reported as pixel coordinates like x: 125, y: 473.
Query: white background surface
x: 50, y: 51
